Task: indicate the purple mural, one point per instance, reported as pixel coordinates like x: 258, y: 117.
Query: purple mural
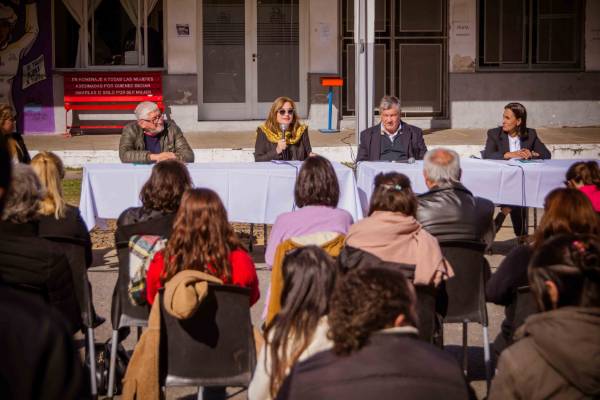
x: 25, y: 63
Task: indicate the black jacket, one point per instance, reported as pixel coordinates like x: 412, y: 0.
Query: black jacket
x: 135, y: 215
x: 71, y: 226
x: 369, y: 148
x: 23, y: 155
x: 267, y: 151
x: 501, y: 289
x: 451, y: 212
x: 390, y: 366
x: 497, y: 145
x: 39, y: 359
x: 28, y: 260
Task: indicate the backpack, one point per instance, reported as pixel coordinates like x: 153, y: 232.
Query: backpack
x: 142, y: 249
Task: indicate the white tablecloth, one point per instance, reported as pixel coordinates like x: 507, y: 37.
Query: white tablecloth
x: 503, y: 182
x: 251, y: 192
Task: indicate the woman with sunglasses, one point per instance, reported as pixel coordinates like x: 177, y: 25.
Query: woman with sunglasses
x: 282, y: 136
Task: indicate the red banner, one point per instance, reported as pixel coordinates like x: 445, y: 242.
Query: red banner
x: 103, y: 83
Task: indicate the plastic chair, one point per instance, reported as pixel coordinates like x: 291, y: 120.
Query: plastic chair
x: 525, y: 306
x: 75, y: 252
x: 466, y: 293
x: 213, y: 348
x: 123, y: 313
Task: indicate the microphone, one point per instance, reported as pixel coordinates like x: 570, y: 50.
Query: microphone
x: 283, y: 128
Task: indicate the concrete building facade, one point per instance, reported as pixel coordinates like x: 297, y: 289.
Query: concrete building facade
x: 453, y: 63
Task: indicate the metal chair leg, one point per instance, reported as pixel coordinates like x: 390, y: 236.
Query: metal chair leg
x: 251, y: 241
x: 200, y: 393
x: 465, y: 360
x: 487, y: 358
x: 92, y: 358
x: 265, y: 234
x: 113, y: 362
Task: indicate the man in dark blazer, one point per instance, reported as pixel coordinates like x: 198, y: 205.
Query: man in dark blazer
x: 392, y: 139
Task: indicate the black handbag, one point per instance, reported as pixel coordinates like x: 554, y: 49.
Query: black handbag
x: 103, y: 351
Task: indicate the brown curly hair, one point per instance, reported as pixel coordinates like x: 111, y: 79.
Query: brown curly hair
x: 202, y: 237
x: 367, y: 300
x: 164, y: 188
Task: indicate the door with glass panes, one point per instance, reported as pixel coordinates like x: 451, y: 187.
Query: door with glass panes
x: 251, y: 52
x: 409, y: 58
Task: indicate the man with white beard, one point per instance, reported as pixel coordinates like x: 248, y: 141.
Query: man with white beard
x: 152, y: 139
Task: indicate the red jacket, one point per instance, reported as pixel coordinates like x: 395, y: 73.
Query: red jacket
x: 243, y: 273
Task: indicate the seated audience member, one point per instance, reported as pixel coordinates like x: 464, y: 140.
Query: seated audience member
x: 316, y: 194
x: 449, y: 211
x: 392, y: 233
x: 160, y: 195
x: 392, y: 139
x: 514, y: 140
x: 60, y: 221
x: 566, y: 211
x: 40, y: 360
x: 16, y: 145
x: 585, y: 176
x: 556, y: 353
x: 152, y: 139
x: 282, y: 121
x: 376, y: 353
x: 203, y: 240
x: 299, y: 330
x: 57, y: 218
x: 26, y: 259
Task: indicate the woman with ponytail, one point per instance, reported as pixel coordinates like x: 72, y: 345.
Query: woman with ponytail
x: 556, y: 355
x: 57, y: 218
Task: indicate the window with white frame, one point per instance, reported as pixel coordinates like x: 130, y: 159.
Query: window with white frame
x: 530, y: 34
x: 117, y: 33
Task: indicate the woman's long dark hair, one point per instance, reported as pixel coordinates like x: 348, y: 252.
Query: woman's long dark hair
x: 308, y: 281
x: 585, y: 173
x: 167, y: 182
x: 519, y: 111
x: 572, y: 263
x: 202, y: 237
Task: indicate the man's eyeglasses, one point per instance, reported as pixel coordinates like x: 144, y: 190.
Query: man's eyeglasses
x: 154, y: 120
x: 283, y: 111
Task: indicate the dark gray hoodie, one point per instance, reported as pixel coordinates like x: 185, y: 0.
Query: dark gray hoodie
x: 557, y: 357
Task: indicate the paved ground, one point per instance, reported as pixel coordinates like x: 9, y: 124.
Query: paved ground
x: 245, y: 139
x: 104, y: 273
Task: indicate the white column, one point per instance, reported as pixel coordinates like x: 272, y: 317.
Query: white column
x: 364, y: 40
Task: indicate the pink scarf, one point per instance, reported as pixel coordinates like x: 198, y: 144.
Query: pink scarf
x: 395, y: 237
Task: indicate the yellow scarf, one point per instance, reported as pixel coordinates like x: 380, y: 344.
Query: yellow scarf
x: 290, y: 138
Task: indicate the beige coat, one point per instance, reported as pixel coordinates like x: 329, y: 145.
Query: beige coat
x: 182, y: 297
x: 557, y: 357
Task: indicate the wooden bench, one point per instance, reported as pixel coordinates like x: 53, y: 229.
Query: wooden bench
x: 109, y: 91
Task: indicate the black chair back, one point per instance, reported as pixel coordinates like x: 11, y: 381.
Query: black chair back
x: 215, y: 347
x: 123, y: 313
x: 525, y: 305
x: 75, y: 251
x: 465, y: 291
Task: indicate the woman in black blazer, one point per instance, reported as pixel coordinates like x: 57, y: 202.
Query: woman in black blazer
x: 514, y: 140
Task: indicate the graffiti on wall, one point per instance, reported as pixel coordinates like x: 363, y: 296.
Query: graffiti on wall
x: 25, y: 62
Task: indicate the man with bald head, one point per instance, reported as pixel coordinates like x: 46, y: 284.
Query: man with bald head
x: 449, y: 211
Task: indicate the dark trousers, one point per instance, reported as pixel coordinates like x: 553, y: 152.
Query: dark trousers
x: 519, y: 217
